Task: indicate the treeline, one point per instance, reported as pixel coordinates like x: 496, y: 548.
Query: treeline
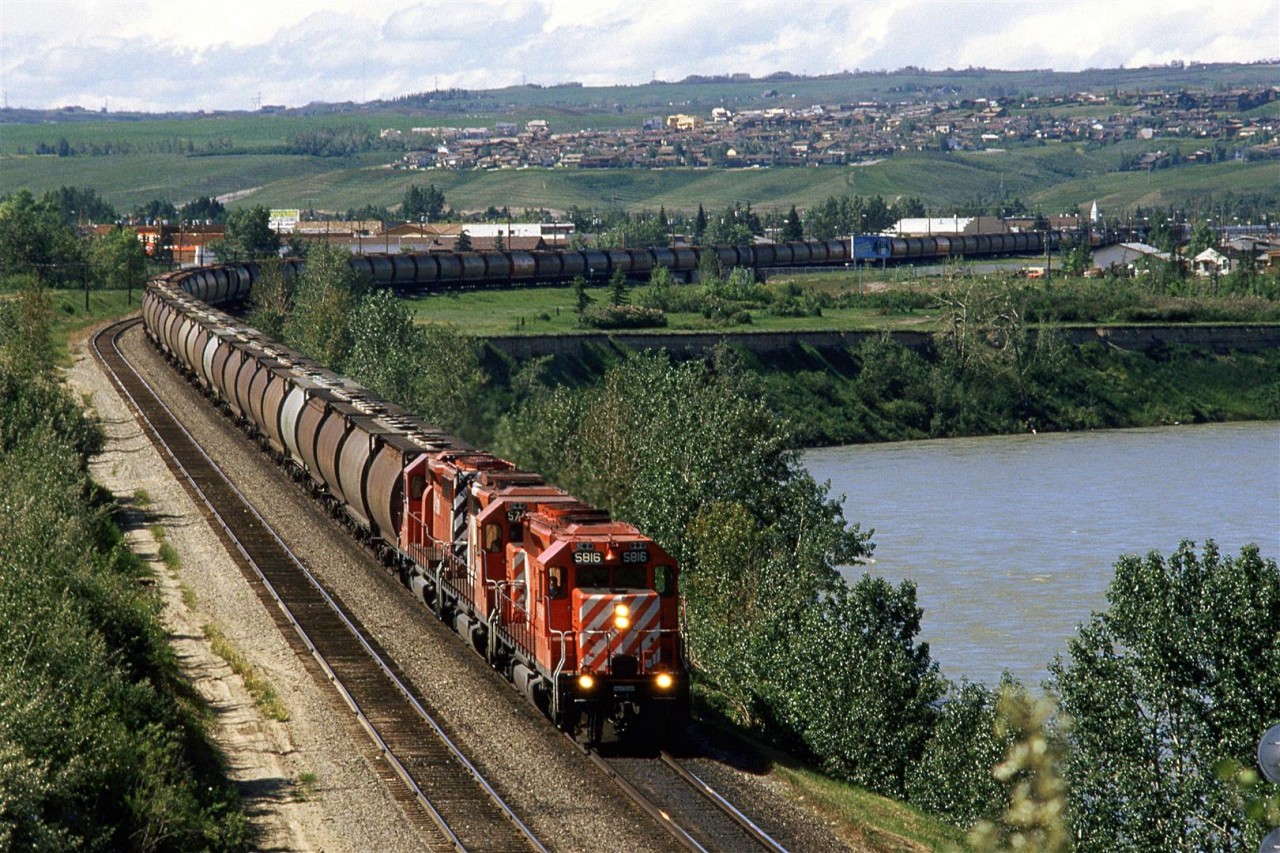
x: 102, y: 747
x: 62, y: 147
x: 36, y: 240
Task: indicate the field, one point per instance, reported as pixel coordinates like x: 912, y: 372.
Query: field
x: 1058, y: 177
x: 551, y: 311
x: 180, y: 158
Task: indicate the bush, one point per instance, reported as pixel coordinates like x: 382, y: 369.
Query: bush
x: 623, y: 317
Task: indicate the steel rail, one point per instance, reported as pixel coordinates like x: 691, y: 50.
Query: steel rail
x: 650, y: 808
x: 736, y: 814
x: 118, y: 329
x: 683, y: 836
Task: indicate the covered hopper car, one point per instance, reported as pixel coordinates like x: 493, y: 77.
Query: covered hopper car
x: 579, y: 611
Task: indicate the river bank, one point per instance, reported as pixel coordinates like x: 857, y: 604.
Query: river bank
x: 845, y: 389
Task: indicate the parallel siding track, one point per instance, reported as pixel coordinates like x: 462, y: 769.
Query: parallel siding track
x: 454, y: 803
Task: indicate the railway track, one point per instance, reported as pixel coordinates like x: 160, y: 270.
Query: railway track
x: 689, y: 809
x: 456, y: 807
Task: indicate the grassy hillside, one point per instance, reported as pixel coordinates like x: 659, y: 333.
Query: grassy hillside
x: 1056, y: 177
x: 180, y: 158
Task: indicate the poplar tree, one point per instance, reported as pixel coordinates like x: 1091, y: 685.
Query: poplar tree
x: 1182, y: 671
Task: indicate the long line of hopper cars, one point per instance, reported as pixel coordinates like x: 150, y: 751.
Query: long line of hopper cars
x: 441, y: 270
x: 580, y: 612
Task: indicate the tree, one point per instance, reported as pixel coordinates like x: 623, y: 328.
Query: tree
x: 852, y: 683
x: 581, y: 297
x: 953, y: 776
x: 80, y: 206
x: 324, y: 297
x: 910, y: 207
x: 634, y: 232
x: 1201, y: 239
x: 272, y: 300
x: 35, y: 239
x: 204, y: 208
x: 700, y: 226
x: 119, y: 260
x: 1178, y: 674
x: 248, y: 235
x: 157, y: 210
x: 464, y: 242
x: 792, y: 229
x: 1079, y: 258
x: 661, y: 281
x: 618, y: 287
x: 420, y: 203
x: 1034, y: 817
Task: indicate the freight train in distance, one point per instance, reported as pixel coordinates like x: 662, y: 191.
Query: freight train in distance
x: 429, y: 271
x: 580, y: 612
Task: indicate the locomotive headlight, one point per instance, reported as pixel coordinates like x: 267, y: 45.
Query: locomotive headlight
x: 585, y: 681
x: 621, y: 617
x: 664, y: 681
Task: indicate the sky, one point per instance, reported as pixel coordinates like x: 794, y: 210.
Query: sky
x: 157, y: 55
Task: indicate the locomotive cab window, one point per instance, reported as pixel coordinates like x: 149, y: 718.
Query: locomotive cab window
x: 417, y: 485
x: 631, y: 577
x: 664, y: 581
x: 555, y: 582
x: 493, y: 538
x: 593, y: 575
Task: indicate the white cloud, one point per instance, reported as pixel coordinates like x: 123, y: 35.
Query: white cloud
x: 157, y: 54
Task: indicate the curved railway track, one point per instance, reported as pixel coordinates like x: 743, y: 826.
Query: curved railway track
x: 689, y: 809
x: 456, y: 805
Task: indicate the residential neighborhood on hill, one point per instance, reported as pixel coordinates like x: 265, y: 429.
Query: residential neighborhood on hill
x: 844, y: 133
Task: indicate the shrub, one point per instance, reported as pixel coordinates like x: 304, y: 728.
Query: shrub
x: 624, y: 317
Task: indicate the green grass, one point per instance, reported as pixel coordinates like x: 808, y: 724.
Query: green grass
x: 168, y: 554
x: 305, y: 786
x: 881, y: 823
x: 131, y: 181
x: 264, y: 695
x: 552, y: 311
x: 1179, y: 185
x: 151, y: 171
x: 70, y: 316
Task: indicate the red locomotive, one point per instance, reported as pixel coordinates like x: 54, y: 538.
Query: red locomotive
x: 580, y: 612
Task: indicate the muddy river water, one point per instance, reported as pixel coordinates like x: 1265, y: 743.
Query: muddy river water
x: 1011, y: 540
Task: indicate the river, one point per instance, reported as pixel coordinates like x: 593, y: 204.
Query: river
x: 1011, y: 540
